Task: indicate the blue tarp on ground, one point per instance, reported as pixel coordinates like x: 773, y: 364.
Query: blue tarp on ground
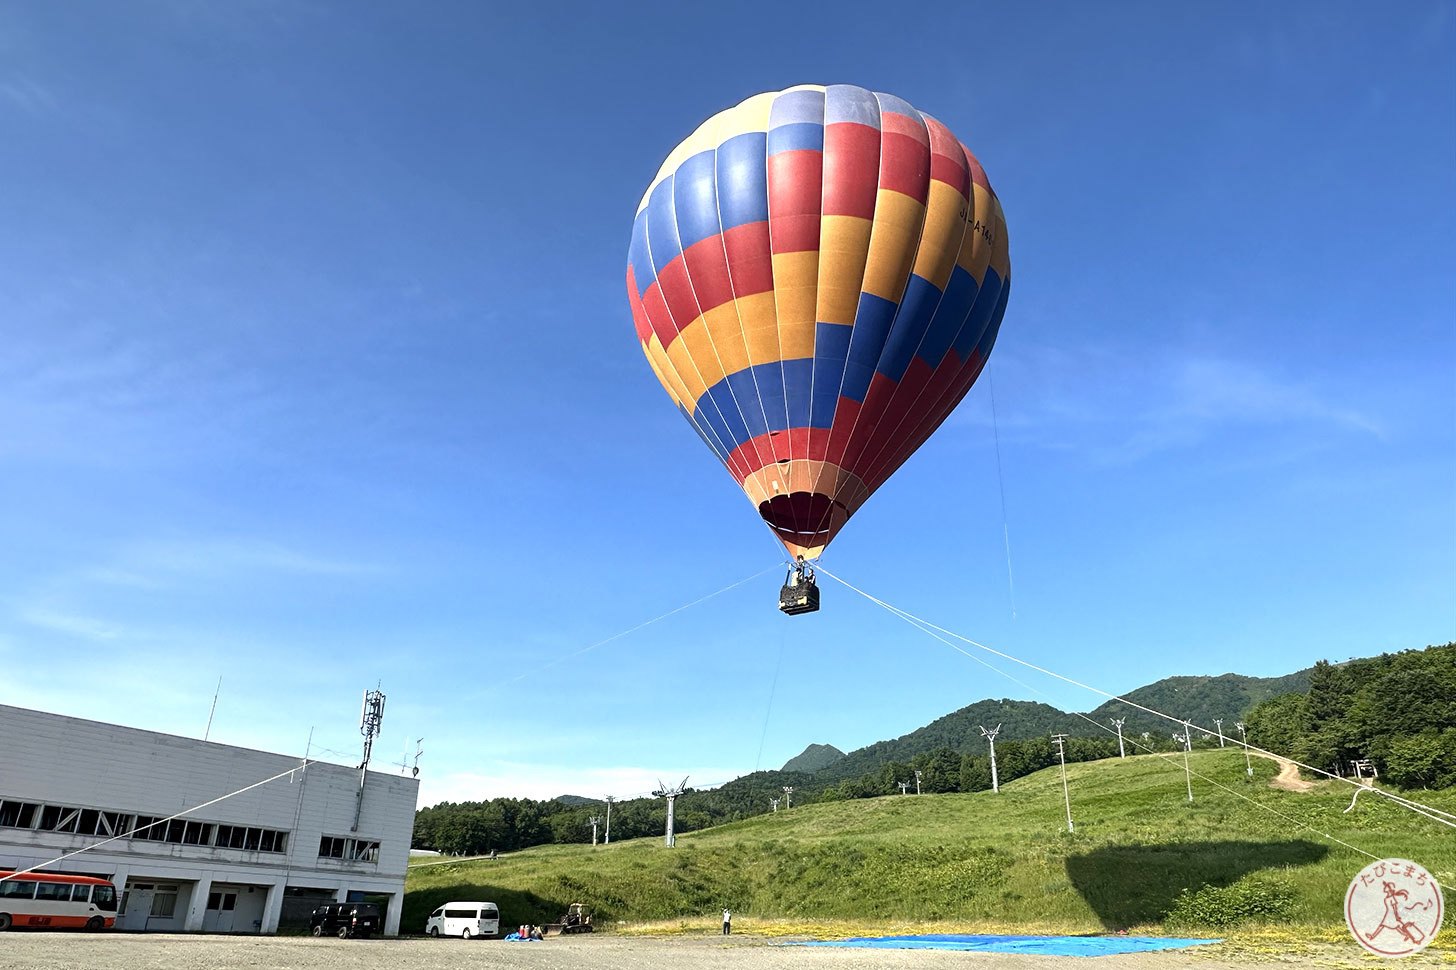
x: 1058, y: 946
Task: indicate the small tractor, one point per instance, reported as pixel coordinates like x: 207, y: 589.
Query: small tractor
x: 576, y: 919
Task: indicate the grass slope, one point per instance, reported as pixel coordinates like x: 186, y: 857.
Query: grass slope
x: 981, y: 860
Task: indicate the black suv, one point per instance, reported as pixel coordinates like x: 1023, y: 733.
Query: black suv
x: 345, y: 920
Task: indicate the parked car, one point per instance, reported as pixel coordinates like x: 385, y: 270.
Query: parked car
x: 464, y: 920
x: 345, y: 920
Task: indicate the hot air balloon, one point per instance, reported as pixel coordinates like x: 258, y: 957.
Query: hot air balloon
x: 817, y: 276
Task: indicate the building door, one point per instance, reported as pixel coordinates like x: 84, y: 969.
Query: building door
x: 136, y: 906
x: 221, y: 905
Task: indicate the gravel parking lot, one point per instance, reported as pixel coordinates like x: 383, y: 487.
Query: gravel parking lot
x: 76, y: 951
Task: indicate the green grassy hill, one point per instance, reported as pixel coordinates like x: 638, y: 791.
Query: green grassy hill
x: 1141, y: 856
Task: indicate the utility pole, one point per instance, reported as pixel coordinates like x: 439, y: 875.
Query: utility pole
x: 775, y: 803
x: 1186, y: 739
x: 1219, y: 721
x: 788, y: 797
x: 1244, y: 740
x: 371, y: 716
x: 1060, y: 740
x: 595, y: 821
x: 1117, y: 723
x: 608, y: 839
x: 917, y: 781
x: 991, y: 737
x: 670, y: 794
x: 904, y: 786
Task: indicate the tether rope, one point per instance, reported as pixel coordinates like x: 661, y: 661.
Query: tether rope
x: 1435, y: 814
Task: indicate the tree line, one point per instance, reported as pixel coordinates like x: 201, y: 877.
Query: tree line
x: 1397, y: 710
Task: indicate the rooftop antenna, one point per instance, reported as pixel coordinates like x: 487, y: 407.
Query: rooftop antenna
x: 1244, y: 740
x: 917, y: 781
x: 595, y: 820
x: 1060, y: 740
x: 1117, y: 723
x: 1219, y: 721
x: 788, y: 797
x: 671, y: 795
x: 371, y: 716
x: 212, y: 710
x: 608, y: 839
x: 415, y: 771
x: 1186, y: 739
x: 991, y: 737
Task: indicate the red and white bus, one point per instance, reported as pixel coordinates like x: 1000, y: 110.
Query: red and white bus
x: 51, y: 900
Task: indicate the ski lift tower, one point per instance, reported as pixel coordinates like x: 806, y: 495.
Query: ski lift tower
x: 670, y: 794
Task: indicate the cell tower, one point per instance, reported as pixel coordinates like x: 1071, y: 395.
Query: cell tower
x: 991, y: 737
x: 595, y: 820
x: 788, y: 797
x: 1117, y: 723
x: 1060, y: 740
x: 608, y: 838
x: 1244, y: 740
x: 670, y: 794
x: 1186, y: 739
x: 371, y: 716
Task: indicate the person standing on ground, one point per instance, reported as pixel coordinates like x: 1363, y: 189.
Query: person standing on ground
x: 727, y: 921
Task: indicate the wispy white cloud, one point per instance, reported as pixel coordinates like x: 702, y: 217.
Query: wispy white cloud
x: 1125, y: 407
x: 28, y: 95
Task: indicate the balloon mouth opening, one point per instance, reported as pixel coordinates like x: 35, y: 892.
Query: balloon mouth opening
x: 803, y: 518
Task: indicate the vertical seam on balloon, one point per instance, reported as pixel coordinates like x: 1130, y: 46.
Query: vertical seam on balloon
x: 869, y: 247
x: 732, y: 287
x: 873, y: 462
x: 705, y: 428
x: 827, y: 519
x: 814, y: 333
x: 707, y: 331
x: 956, y: 392
x: 779, y: 341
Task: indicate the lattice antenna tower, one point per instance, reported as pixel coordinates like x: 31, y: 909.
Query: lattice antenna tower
x: 670, y: 839
x: 991, y: 737
x: 371, y: 716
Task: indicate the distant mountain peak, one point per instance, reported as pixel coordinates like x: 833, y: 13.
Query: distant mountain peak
x: 814, y: 757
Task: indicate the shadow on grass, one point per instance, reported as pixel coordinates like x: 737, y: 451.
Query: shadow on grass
x: 1133, y: 884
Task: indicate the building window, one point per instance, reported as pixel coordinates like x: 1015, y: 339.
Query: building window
x: 18, y: 815
x: 340, y: 847
x: 164, y: 905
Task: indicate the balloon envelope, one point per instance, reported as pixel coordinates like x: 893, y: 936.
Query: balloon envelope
x: 817, y: 276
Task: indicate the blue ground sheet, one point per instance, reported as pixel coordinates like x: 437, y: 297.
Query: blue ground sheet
x: 1059, y: 946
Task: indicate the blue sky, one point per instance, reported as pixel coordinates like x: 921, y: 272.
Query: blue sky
x: 316, y: 371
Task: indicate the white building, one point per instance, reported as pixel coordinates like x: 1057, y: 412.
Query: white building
x: 239, y: 865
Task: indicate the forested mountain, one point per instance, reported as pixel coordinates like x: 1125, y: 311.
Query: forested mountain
x: 1398, y: 710
x: 1199, y: 699
x: 960, y: 732
x: 813, y: 758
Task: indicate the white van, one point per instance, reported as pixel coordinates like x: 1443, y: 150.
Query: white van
x: 464, y: 920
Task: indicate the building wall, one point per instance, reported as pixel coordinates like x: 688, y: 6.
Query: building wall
x: 64, y: 761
